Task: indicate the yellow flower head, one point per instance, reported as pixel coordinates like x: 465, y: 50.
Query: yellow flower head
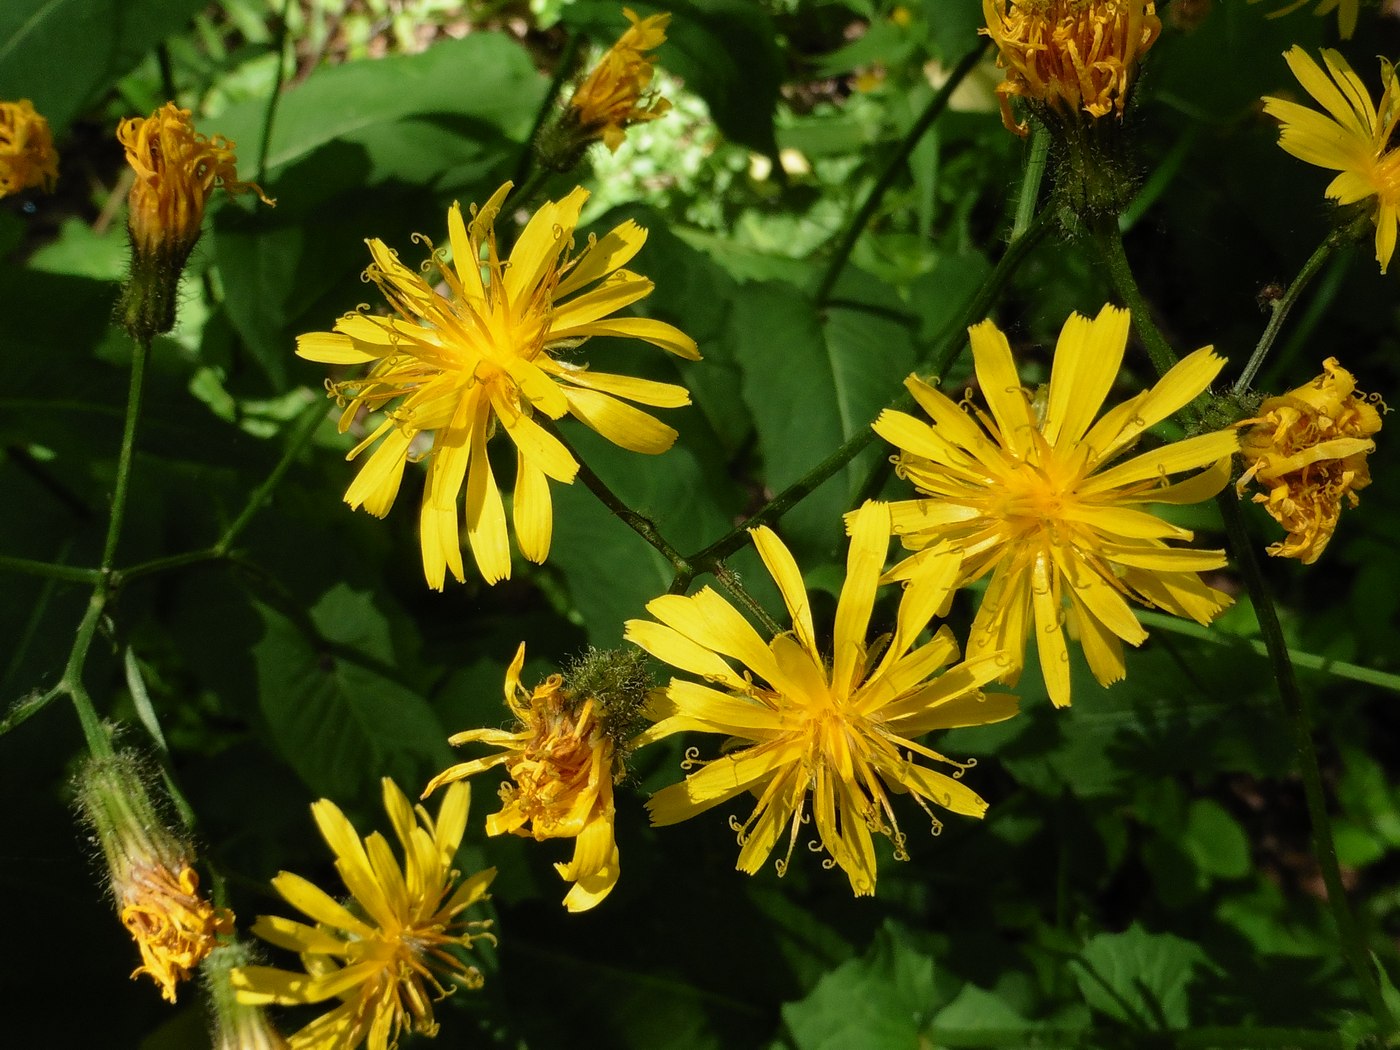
x: 156, y: 890
x: 614, y: 95
x: 1347, y: 12
x: 1069, y: 56
x: 1033, y: 493
x: 1307, y: 450
x: 562, y: 760
x: 1353, y: 137
x: 27, y: 156
x: 840, y: 730
x: 177, y: 170
x: 385, y: 954
x: 496, y: 349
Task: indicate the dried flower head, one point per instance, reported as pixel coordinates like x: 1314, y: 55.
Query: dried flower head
x: 562, y: 759
x: 1069, y: 58
x: 149, y: 864
x: 1307, y: 450
x: 27, y: 156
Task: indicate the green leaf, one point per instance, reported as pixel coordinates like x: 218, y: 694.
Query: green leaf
x: 1140, y: 978
x: 882, y: 1000
x: 810, y: 383
x: 725, y: 50
x: 334, y: 713
x: 483, y: 78
x: 64, y: 54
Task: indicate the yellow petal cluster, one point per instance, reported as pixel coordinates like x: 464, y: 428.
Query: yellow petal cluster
x: 1353, y: 138
x: 177, y: 170
x: 819, y: 739
x: 1069, y: 56
x: 561, y: 768
x: 613, y: 96
x: 500, y: 348
x: 27, y: 156
x: 383, y: 955
x: 1035, y: 492
x: 1307, y: 450
x: 173, y: 926
x: 1347, y: 12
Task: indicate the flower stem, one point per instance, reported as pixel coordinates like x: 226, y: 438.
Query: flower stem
x: 1029, y: 198
x: 563, y: 69
x: 274, y: 97
x: 892, y: 170
x: 1281, y: 307
x: 133, y: 414
x: 51, y: 570
x: 1110, y: 244
x: 1353, y: 947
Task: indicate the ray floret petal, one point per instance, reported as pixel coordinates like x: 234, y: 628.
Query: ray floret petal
x: 1044, y: 496
x: 816, y: 738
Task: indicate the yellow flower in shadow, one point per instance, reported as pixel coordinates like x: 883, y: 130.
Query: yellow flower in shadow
x: 1352, y: 138
x: 499, y: 348
x: 614, y: 96
x: 27, y: 156
x: 385, y: 953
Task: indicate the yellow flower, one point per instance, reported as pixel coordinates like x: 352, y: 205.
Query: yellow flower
x: 177, y: 170
x: 1307, y: 449
x: 1036, y: 496
x: 27, y: 156
x: 497, y: 349
x: 1347, y: 12
x: 1353, y: 137
x: 840, y: 730
x: 156, y: 889
x: 1069, y: 56
x: 614, y: 95
x: 385, y: 954
x: 562, y: 762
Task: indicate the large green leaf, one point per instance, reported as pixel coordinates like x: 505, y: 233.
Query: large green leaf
x: 63, y: 54
x: 882, y: 1000
x: 811, y: 380
x: 1139, y: 978
x: 484, y: 78
x: 334, y: 712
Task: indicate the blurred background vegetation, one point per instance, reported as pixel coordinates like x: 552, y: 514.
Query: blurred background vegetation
x: 1145, y: 865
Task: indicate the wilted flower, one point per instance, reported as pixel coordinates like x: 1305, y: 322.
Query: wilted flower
x: 498, y: 349
x: 1353, y: 137
x: 1034, y: 493
x: 1069, y: 58
x: 798, y: 725
x: 149, y: 864
x: 383, y: 954
x: 1307, y: 450
x: 562, y: 759
x: 612, y: 98
x: 177, y: 170
x: 27, y: 156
